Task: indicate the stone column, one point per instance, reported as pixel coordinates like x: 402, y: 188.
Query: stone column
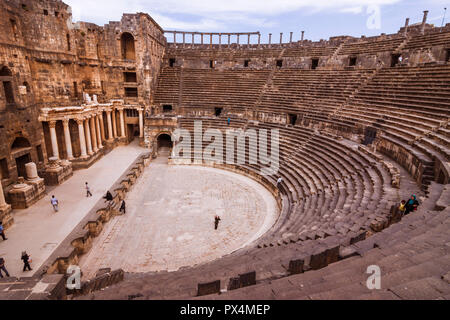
x: 248, y: 40
x: 52, y: 125
x: 270, y: 39
x: 122, y: 124
x: 87, y: 132
x: 202, y: 38
x: 193, y: 38
x: 175, y: 38
x: 114, y: 123
x: 229, y: 42
x: 67, y: 139
x: 406, y: 26
x: 303, y: 35
x: 141, y: 123
x: 93, y: 134
x: 220, y: 40
x: 184, y: 38
x: 424, y: 21
x: 290, y: 38
x: 80, y: 123
x: 259, y: 39
x: 99, y: 133
x: 237, y: 40
x: 4, y: 207
x: 281, y: 38
x: 102, y: 126
x: 31, y: 169
x: 110, y: 131
x: 210, y: 39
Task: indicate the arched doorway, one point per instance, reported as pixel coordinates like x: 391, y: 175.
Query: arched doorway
x: 164, y: 144
x: 20, y: 151
x: 127, y: 44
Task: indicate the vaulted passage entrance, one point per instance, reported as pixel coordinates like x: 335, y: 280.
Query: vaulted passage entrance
x: 164, y: 141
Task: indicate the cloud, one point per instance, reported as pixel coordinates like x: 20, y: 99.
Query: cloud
x: 354, y: 10
x: 216, y: 15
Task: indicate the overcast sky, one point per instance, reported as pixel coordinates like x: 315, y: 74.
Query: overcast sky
x: 319, y: 18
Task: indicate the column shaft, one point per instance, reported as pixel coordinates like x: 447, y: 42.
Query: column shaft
x: 99, y: 133
x: 102, y: 126
x: 110, y: 131
x: 114, y: 123
x: 122, y: 124
x: 93, y: 134
x: 82, y: 138
x: 52, y: 125
x: 141, y: 123
x: 67, y: 139
x: 87, y: 132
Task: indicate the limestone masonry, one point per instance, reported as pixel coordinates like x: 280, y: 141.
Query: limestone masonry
x: 363, y: 124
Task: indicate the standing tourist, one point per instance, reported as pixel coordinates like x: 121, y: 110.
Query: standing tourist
x: 216, y: 222
x: 26, y: 261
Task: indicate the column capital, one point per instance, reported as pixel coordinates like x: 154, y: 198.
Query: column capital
x: 65, y: 121
x: 52, y: 124
x: 79, y: 121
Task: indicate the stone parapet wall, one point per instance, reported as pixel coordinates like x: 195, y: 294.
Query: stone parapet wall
x: 80, y: 239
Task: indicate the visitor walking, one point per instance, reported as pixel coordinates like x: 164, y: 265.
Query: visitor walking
x: 3, y: 268
x: 411, y: 204
x: 108, y: 196
x: 26, y: 261
x: 88, y: 191
x: 229, y: 120
x: 2, y: 231
x: 216, y: 222
x: 54, y: 203
x: 122, y: 207
x: 279, y: 182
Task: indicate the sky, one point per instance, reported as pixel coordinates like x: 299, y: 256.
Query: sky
x: 320, y: 19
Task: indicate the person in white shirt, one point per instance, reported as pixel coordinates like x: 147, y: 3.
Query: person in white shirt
x: 279, y: 182
x: 54, y: 203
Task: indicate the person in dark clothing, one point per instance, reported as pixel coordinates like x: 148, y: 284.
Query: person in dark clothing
x: 2, y: 231
x: 26, y: 261
x: 88, y: 191
x: 108, y: 196
x: 3, y: 268
x: 122, y: 207
x: 216, y: 222
x: 411, y: 204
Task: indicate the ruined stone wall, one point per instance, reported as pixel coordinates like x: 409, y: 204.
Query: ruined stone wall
x: 52, y: 61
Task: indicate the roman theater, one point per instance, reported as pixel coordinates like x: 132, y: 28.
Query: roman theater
x: 303, y: 149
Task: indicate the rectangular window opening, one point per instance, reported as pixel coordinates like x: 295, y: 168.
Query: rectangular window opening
x: 131, y: 92
x: 130, y: 77
x: 167, y: 108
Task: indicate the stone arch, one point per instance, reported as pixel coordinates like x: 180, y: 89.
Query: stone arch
x: 164, y: 140
x: 20, y: 143
x: 127, y: 46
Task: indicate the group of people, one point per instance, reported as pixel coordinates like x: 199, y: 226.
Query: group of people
x: 109, y: 197
x: 25, y: 257
x: 55, y: 203
x: 408, y: 206
x: 26, y: 264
